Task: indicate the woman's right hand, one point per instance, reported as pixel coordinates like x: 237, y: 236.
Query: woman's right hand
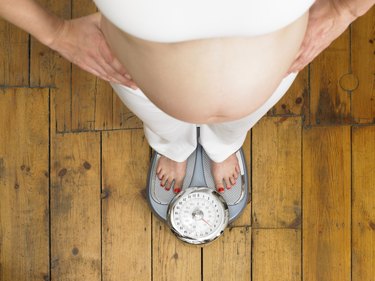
x: 82, y: 42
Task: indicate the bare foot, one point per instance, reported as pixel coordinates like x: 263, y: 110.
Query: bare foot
x: 169, y: 170
x: 226, y: 171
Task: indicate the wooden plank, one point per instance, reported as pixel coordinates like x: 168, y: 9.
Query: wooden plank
x: 123, y: 117
x: 363, y: 67
x: 46, y: 65
x: 276, y: 255
x: 24, y: 165
x: 14, y: 55
x: 84, y: 84
x: 294, y: 101
x: 363, y: 204
x: 92, y: 98
x: 329, y: 103
x: 75, y: 207
x: 229, y: 257
x: 277, y: 173
x: 126, y: 215
x: 245, y: 218
x: 173, y: 259
x: 326, y: 204
x: 94, y: 105
x: 50, y: 69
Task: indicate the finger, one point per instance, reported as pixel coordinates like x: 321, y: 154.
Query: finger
x: 111, y: 60
x: 115, y: 76
x: 112, y: 65
x: 104, y: 73
x: 110, y: 71
x: 95, y: 70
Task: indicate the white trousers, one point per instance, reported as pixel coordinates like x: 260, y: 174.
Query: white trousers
x: 177, y: 139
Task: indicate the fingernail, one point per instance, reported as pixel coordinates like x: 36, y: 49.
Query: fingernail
x: 221, y: 189
x: 128, y: 76
x: 177, y: 190
x: 134, y: 87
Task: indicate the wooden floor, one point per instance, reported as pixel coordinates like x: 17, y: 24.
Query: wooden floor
x: 74, y: 160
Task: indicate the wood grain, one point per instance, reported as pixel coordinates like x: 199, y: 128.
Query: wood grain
x: 84, y: 84
x: 295, y: 99
x: 126, y: 231
x: 75, y: 207
x: 326, y: 204
x: 14, y: 55
x: 363, y: 204
x: 172, y: 258
x: 24, y: 168
x: 50, y: 69
x: 277, y: 173
x: 363, y: 67
x: 46, y: 65
x: 229, y: 258
x: 276, y: 255
x: 329, y: 103
x: 245, y: 218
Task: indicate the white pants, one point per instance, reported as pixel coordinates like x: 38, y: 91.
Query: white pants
x: 177, y: 139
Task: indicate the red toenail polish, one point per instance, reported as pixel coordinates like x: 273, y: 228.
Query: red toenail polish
x: 221, y: 189
x: 161, y: 184
x: 177, y: 190
x: 167, y: 189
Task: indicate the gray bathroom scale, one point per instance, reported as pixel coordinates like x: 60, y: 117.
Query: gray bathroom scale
x: 198, y: 214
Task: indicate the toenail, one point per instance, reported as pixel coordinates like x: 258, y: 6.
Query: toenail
x: 167, y: 189
x: 161, y: 184
x: 229, y: 187
x: 221, y: 189
x: 177, y: 190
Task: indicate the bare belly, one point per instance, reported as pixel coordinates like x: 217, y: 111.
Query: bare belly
x: 209, y: 80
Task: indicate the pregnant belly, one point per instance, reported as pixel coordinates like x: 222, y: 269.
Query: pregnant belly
x: 209, y: 80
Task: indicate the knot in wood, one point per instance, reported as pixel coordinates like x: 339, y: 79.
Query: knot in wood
x: 349, y: 82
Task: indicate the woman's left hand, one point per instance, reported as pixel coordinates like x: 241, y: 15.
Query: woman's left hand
x: 326, y: 22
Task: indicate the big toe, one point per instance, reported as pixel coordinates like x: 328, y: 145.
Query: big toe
x: 219, y: 185
x: 177, y: 186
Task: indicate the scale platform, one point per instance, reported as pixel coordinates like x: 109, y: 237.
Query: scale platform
x: 198, y: 174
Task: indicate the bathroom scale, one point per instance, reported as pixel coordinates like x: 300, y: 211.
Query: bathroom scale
x: 198, y: 214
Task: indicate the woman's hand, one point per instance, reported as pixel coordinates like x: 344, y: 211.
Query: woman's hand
x: 82, y: 42
x: 327, y: 21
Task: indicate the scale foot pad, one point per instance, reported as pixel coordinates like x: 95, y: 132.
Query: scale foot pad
x: 198, y: 174
x: 159, y: 193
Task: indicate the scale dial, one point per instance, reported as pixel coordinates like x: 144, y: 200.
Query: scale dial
x: 198, y: 215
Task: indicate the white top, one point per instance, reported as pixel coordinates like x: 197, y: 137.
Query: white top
x: 175, y: 20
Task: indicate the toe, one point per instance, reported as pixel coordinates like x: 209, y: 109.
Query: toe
x: 219, y: 186
x: 168, y: 183
x: 227, y: 183
x: 232, y: 180
x: 238, y: 170
x: 161, y: 174
x: 163, y: 181
x: 177, y: 186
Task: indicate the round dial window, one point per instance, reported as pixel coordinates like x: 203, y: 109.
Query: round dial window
x: 198, y: 215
